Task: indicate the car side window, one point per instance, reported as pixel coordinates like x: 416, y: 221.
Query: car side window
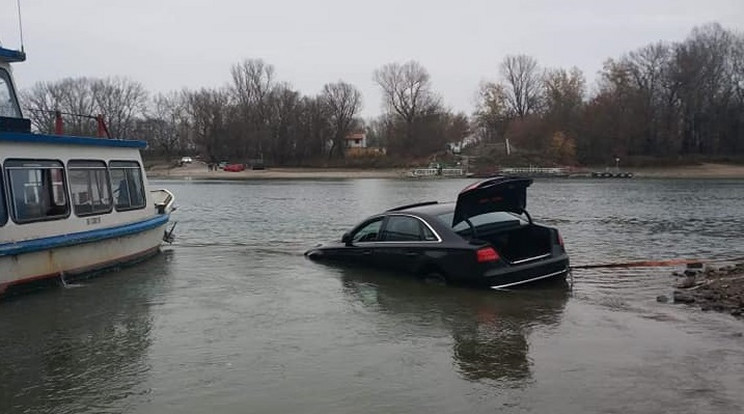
x: 368, y: 232
x: 402, y: 228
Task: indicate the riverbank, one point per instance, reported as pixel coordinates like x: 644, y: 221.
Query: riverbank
x: 714, y: 288
x: 704, y: 170
x: 200, y: 171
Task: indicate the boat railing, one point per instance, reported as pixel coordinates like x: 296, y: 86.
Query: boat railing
x: 163, y: 200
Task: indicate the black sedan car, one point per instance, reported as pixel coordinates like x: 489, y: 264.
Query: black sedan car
x: 486, y: 238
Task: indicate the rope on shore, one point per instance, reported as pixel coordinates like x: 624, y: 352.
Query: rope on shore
x: 658, y: 263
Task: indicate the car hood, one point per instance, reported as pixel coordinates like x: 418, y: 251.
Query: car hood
x: 490, y: 195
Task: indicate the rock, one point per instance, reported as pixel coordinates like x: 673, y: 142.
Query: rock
x: 683, y: 297
x: 662, y: 299
x: 677, y: 274
x: 691, y: 273
x: 688, y: 282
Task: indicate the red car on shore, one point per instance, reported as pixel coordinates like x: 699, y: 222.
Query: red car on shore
x: 234, y: 167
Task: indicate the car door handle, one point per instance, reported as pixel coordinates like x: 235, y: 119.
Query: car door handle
x: 366, y: 252
x: 412, y: 254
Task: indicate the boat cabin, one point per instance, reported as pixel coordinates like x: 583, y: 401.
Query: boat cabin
x: 70, y: 205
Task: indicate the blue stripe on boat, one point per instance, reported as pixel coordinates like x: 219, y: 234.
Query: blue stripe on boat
x: 59, y: 139
x: 46, y: 243
x: 9, y: 55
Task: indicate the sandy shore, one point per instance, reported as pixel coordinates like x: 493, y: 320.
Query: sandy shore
x: 708, y: 170
x: 199, y: 171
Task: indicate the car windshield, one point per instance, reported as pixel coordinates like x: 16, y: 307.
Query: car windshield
x: 496, y: 217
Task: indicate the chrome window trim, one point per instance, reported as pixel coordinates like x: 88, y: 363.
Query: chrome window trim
x: 438, y: 240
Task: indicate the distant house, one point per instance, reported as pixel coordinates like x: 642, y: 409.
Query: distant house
x: 355, y: 145
x: 356, y: 140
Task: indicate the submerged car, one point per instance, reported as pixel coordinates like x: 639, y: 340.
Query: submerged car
x: 486, y: 239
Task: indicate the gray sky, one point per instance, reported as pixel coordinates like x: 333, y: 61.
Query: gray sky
x: 174, y: 44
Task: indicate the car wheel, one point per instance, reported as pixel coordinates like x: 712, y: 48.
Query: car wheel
x: 435, y: 277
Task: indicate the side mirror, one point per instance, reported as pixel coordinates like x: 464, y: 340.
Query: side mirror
x: 346, y: 239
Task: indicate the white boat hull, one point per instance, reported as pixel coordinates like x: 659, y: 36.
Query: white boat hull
x: 79, y: 259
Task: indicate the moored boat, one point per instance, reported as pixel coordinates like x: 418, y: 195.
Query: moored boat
x: 70, y: 206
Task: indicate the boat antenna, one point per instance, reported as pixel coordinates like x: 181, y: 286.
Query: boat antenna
x: 20, y: 22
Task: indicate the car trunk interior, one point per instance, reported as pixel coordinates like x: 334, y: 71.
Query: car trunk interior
x: 523, y: 242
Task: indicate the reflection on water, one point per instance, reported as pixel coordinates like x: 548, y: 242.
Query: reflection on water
x: 80, y: 348
x: 234, y: 319
x: 489, y: 329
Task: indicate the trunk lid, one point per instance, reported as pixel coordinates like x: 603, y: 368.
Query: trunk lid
x: 490, y: 195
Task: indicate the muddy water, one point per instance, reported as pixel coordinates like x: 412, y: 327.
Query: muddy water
x: 232, y: 318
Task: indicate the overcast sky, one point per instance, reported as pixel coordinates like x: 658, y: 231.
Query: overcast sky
x: 174, y: 44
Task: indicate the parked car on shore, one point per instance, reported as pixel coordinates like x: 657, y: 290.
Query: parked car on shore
x: 234, y: 167
x: 485, y: 239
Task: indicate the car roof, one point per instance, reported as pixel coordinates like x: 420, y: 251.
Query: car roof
x: 431, y: 209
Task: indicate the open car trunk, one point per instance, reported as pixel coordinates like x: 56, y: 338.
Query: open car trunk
x: 521, y: 244
x: 514, y: 241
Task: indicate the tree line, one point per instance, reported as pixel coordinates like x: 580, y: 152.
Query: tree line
x: 662, y: 100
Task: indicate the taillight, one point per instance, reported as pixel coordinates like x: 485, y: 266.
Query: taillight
x: 560, y: 240
x: 487, y: 254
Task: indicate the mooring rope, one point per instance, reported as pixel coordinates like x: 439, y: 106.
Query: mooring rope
x: 657, y: 263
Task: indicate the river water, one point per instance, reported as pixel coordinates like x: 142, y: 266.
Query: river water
x: 233, y: 319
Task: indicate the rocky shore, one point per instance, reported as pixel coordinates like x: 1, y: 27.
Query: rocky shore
x: 718, y: 289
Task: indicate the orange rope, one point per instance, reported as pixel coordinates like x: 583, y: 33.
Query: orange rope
x: 645, y: 263
x: 658, y: 263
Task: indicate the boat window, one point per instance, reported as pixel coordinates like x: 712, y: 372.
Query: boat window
x: 37, y: 190
x: 128, y: 187
x: 402, y: 228
x: 90, y: 189
x: 8, y: 102
x: 3, y: 209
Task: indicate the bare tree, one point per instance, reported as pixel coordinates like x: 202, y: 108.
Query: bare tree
x: 343, y: 101
x: 39, y: 104
x: 208, y: 109
x: 407, y: 93
x: 120, y: 101
x: 252, y: 85
x: 492, y: 112
x: 166, y: 125
x: 564, y: 100
x: 73, y: 97
x: 523, y: 84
